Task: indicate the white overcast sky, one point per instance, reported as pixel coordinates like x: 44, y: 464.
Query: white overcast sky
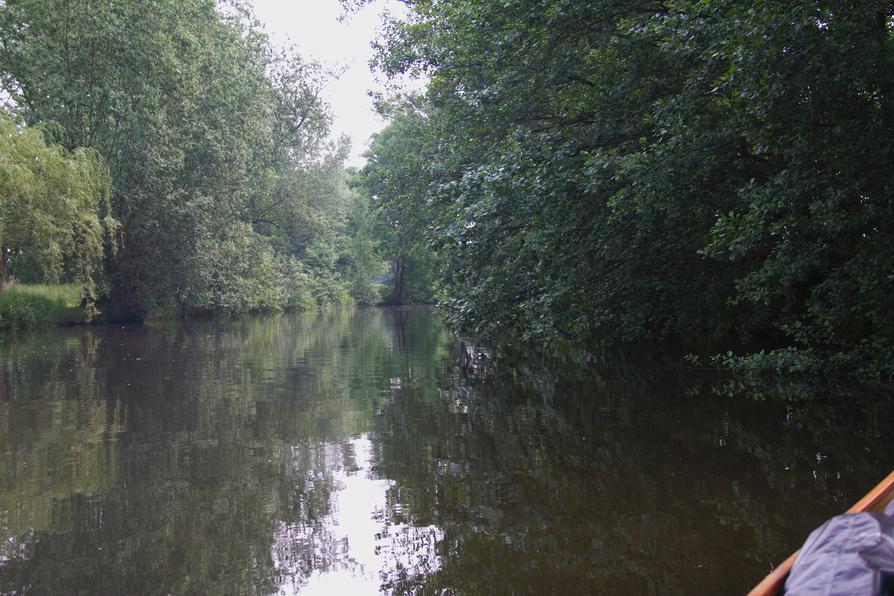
x: 313, y: 26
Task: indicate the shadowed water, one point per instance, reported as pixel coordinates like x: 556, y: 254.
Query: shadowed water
x: 370, y: 451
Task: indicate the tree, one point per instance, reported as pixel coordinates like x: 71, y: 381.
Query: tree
x: 395, y: 179
x: 53, y: 205
x: 216, y: 143
x: 623, y: 172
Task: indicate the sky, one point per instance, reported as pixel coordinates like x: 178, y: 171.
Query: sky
x: 313, y: 27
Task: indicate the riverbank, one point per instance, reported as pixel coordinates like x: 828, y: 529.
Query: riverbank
x: 33, y: 306
x: 29, y: 306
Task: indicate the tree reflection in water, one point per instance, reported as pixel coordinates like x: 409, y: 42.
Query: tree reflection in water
x: 370, y: 548
x: 369, y: 451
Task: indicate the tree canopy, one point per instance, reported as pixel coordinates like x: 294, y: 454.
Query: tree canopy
x: 51, y: 204
x: 603, y: 173
x: 229, y: 193
x: 624, y: 172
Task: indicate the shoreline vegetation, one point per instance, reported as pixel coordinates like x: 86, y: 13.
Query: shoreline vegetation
x: 712, y: 179
x: 171, y: 160
x: 35, y: 306
x: 617, y: 174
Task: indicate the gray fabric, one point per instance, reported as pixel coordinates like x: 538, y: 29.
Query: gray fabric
x: 850, y: 554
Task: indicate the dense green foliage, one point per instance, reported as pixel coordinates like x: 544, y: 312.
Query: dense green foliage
x: 23, y: 307
x: 617, y: 172
x: 395, y: 178
x: 606, y: 173
x: 50, y: 206
x: 230, y: 196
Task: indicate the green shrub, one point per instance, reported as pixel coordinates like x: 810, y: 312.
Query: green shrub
x: 26, y: 306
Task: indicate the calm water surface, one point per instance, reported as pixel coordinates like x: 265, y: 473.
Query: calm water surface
x: 370, y: 451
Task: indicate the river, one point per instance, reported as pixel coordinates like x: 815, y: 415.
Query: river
x: 370, y: 451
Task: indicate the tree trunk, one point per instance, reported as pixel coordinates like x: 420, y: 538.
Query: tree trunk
x: 400, y: 290
x: 4, y: 266
x: 398, y: 294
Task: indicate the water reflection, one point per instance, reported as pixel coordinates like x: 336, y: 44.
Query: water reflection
x: 370, y: 549
x: 369, y: 451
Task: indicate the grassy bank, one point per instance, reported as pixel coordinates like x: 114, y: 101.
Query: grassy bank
x: 25, y: 306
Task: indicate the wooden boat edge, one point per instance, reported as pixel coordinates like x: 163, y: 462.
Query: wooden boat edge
x: 875, y: 500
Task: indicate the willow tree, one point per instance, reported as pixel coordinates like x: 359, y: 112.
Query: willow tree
x: 50, y: 205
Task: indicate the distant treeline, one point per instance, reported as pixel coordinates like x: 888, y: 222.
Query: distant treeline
x: 621, y: 172
x: 190, y: 166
